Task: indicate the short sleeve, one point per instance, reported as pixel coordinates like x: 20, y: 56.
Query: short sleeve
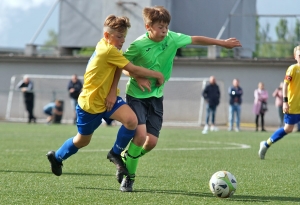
x: 116, y: 58
x: 132, y: 52
x: 181, y: 39
x: 289, y: 74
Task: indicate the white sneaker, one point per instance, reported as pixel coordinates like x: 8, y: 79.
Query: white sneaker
x: 229, y: 129
x: 204, y: 132
x: 237, y: 129
x: 213, y: 128
x: 205, y: 129
x: 262, y: 150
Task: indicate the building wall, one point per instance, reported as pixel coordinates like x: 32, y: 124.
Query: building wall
x: 80, y: 24
x: 249, y: 72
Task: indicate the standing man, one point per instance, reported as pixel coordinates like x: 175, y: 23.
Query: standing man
x: 74, y: 87
x: 26, y: 86
x: 211, y: 94
x: 235, y: 100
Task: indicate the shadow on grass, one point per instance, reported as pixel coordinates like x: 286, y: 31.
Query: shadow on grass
x: 64, y: 173
x: 240, y: 198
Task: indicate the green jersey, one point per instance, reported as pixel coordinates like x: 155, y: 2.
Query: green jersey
x: 156, y: 56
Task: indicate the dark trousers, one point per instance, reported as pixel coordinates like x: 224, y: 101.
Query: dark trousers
x: 212, y: 110
x: 29, y: 104
x: 262, y: 121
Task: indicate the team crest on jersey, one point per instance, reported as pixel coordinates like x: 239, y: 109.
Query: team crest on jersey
x: 164, y: 46
x: 288, y: 77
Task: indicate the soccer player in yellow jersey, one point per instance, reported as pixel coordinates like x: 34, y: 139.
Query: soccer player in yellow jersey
x: 98, y: 99
x: 291, y: 108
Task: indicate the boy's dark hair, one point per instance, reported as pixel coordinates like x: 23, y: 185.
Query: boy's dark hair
x: 120, y: 24
x: 155, y: 14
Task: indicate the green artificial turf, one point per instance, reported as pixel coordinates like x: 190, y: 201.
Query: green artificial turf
x: 177, y: 171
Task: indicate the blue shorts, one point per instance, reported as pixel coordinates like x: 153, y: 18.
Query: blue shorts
x: 291, y: 119
x: 87, y: 123
x: 48, y: 111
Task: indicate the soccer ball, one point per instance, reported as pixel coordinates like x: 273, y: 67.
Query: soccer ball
x: 222, y: 184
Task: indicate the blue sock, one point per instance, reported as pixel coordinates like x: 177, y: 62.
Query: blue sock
x: 66, y: 150
x: 123, y: 138
x: 277, y: 135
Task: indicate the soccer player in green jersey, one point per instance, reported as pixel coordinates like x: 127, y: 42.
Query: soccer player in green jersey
x: 290, y: 107
x: 154, y: 50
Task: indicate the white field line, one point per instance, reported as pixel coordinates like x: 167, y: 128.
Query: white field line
x: 229, y: 146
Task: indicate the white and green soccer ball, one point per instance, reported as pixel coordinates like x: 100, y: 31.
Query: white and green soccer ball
x: 222, y: 184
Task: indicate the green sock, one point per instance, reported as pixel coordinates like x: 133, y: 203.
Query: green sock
x: 143, y: 152
x: 134, y: 153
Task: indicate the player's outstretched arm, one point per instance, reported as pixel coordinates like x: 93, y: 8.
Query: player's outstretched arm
x: 206, y: 41
x: 143, y: 72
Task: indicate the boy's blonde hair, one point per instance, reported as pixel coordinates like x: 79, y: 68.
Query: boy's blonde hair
x: 155, y: 14
x: 297, y: 48
x: 115, y: 23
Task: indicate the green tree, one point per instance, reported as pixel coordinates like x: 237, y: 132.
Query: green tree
x: 51, y: 42
x: 52, y: 38
x: 265, y: 48
x: 297, y: 31
x: 283, y: 45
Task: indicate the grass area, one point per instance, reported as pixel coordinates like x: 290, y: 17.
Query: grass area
x: 176, y: 172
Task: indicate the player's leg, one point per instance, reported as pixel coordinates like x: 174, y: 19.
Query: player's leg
x: 124, y: 114
x: 290, y: 121
x: 150, y: 115
x: 87, y: 124
x: 132, y: 157
x: 153, y: 125
x: 127, y: 117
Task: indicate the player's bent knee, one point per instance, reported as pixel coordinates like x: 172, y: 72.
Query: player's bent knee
x: 130, y: 122
x: 81, y: 141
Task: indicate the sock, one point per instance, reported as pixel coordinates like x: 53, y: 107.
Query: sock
x: 133, y: 158
x: 277, y: 135
x: 123, y: 138
x: 143, y: 152
x: 66, y: 150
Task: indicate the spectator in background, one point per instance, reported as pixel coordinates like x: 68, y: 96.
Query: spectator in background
x: 277, y: 94
x: 26, y: 86
x: 260, y: 105
x: 74, y: 87
x: 235, y: 100
x: 211, y: 94
x: 54, y: 110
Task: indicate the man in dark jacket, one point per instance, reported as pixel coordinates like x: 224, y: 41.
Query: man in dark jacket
x: 74, y: 87
x: 235, y: 100
x: 26, y: 86
x: 211, y: 94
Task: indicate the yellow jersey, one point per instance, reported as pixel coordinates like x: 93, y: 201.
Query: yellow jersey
x: 292, y: 77
x: 99, y: 76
